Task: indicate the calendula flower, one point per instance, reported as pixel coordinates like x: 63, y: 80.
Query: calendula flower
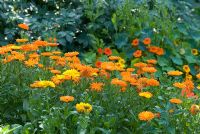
x: 194, y: 109
x: 175, y: 73
x: 55, y: 71
x: 98, y: 64
x: 108, y: 51
x: 152, y: 82
x: 74, y: 74
x: 135, y: 42
x: 146, y: 116
x: 21, y: 40
x: 186, y: 68
x: 146, y: 94
x: 194, y: 51
x: 175, y: 101
x: 71, y: 54
x: 118, y: 82
x: 147, y: 41
x: 114, y: 58
x: 96, y: 86
x: 66, y: 98
x: 149, y: 69
x: 84, y: 107
x: 46, y: 54
x: 198, y: 76
x: 179, y: 85
x: 42, y: 84
x: 40, y: 43
x: 137, y: 53
x: 152, y: 61
x: 140, y: 65
x: 23, y: 26
x: 100, y: 50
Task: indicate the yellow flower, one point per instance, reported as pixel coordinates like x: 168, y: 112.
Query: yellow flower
x: 174, y: 73
x: 195, y: 52
x: 74, y: 74
x: 146, y: 94
x: 84, y: 107
x: 42, y: 84
x: 146, y: 116
x: 66, y: 98
x: 186, y: 68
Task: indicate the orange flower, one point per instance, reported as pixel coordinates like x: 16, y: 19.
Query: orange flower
x: 118, y: 82
x: 108, y: 66
x: 146, y: 116
x: 149, y: 69
x: 96, y: 86
x: 46, y: 54
x: 57, y: 52
x: 21, y: 40
x: 135, y: 42
x: 186, y: 68
x: 23, y: 26
x: 152, y: 82
x: 107, y: 51
x: 130, y: 69
x: 98, y: 64
x: 55, y: 71
x: 114, y: 58
x: 140, y: 65
x: 40, y: 43
x: 71, y: 54
x: 194, y: 109
x: 152, y: 61
x: 198, y: 75
x: 179, y: 85
x: 174, y: 73
x: 100, y: 50
x: 137, y: 53
x: 147, y: 41
x: 175, y: 101
x: 66, y: 98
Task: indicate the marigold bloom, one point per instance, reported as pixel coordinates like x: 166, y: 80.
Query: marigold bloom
x: 152, y: 61
x: 55, y: 71
x: 98, y: 64
x: 108, y: 51
x: 140, y: 65
x: 71, y: 54
x: 137, y: 53
x: 194, y: 109
x: 179, y: 85
x: 40, y: 43
x: 96, y: 86
x: 135, y: 42
x: 108, y: 66
x: 175, y: 73
x: 23, y: 26
x: 146, y: 94
x: 175, y: 101
x: 114, y: 58
x: 74, y: 74
x: 46, y: 54
x: 66, y: 98
x: 186, y: 68
x: 194, y: 51
x: 100, y: 50
x: 149, y: 69
x: 147, y: 41
x: 84, y: 107
x: 42, y: 84
x: 130, y: 69
x: 146, y: 116
x: 118, y: 82
x: 152, y: 82
x: 198, y: 75
x: 57, y: 52
x: 21, y: 40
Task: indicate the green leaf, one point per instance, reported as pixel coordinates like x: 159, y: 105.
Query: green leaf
x: 190, y: 59
x: 121, y: 39
x: 177, y: 60
x: 162, y: 61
